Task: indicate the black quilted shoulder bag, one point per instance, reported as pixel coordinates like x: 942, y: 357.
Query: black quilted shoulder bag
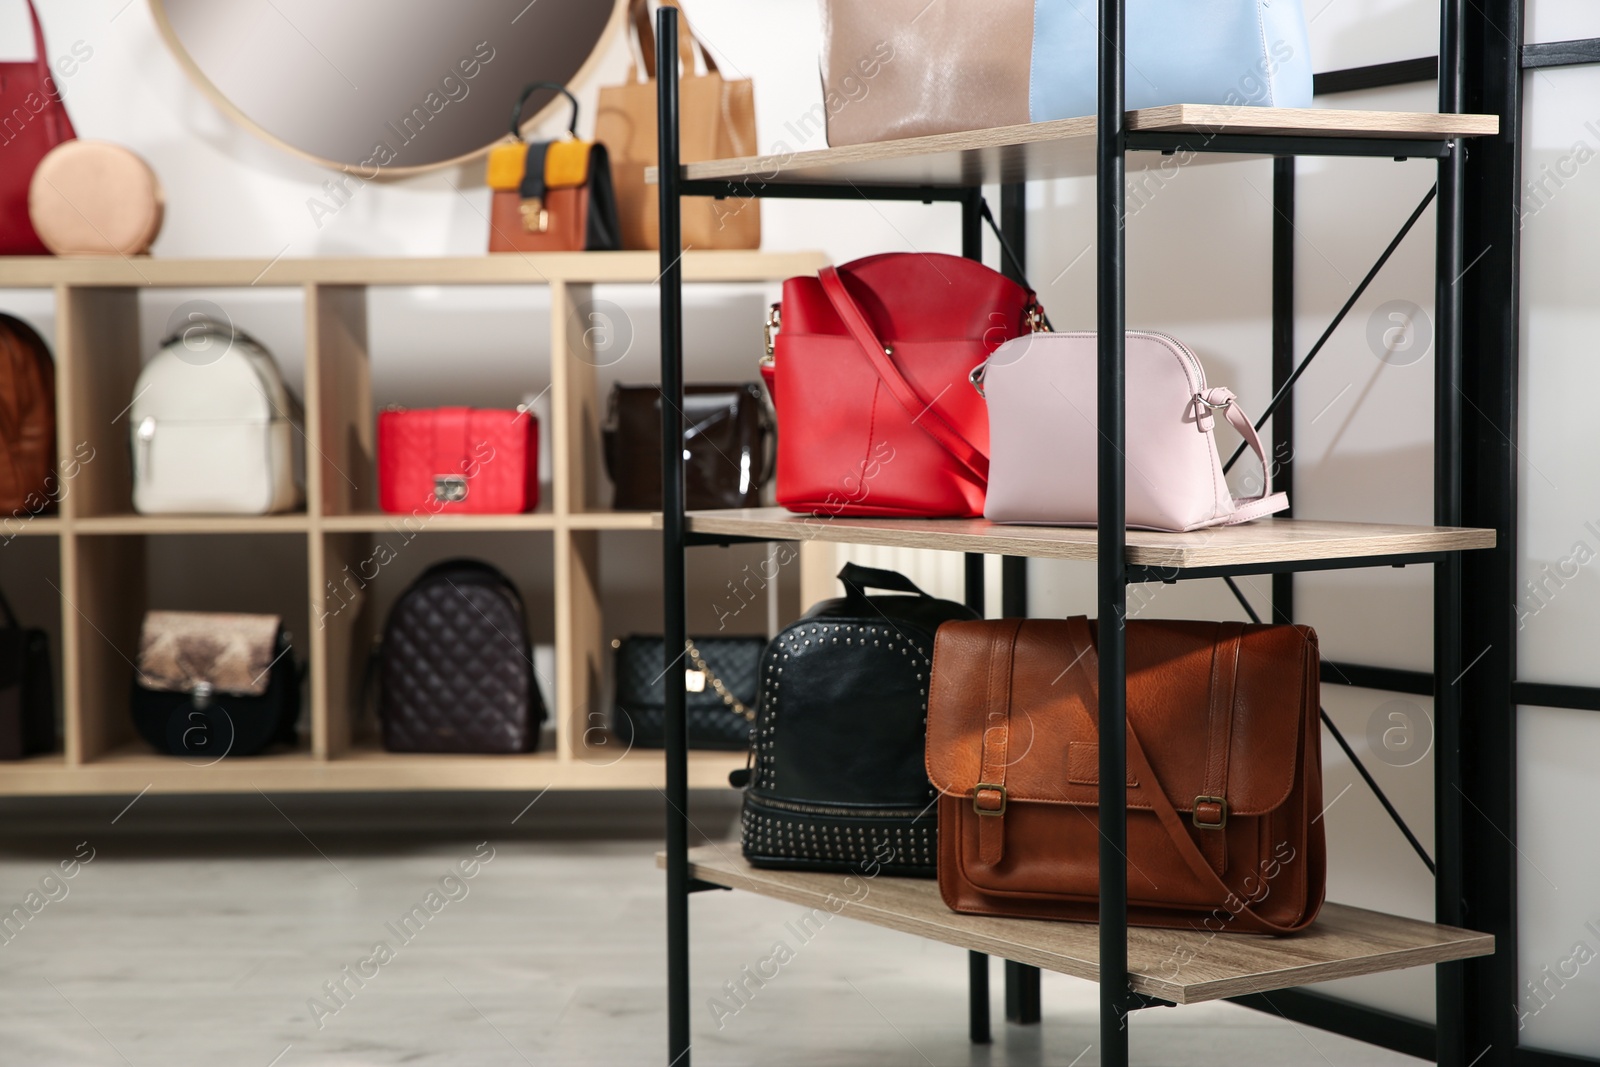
x: 455, y: 670
x: 837, y: 781
x: 719, y: 679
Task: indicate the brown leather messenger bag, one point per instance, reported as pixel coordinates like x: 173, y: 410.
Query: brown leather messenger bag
x: 1224, y: 772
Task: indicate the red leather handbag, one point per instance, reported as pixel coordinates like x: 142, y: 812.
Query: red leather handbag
x: 869, y: 378
x: 474, y: 461
x: 35, y: 122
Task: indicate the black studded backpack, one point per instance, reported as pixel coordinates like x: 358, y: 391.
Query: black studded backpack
x: 837, y: 780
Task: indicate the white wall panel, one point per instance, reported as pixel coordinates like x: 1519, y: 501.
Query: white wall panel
x: 1354, y: 33
x: 1558, y: 604
x: 1561, y: 20
x: 1558, y: 881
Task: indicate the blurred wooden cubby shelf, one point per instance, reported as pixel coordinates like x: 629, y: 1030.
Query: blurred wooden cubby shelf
x: 101, y: 540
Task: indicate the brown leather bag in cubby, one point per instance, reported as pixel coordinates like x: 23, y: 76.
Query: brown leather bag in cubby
x: 27, y: 420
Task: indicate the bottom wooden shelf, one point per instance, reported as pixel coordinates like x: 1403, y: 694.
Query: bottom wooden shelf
x: 1181, y: 966
x: 135, y: 768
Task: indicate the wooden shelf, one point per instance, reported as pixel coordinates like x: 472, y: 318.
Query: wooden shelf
x: 382, y: 521
x: 134, y: 767
x: 24, y: 526
x: 294, y: 522
x: 498, y: 269
x: 339, y: 543
x: 1181, y: 966
x: 1065, y: 148
x: 1266, y: 541
x: 615, y: 520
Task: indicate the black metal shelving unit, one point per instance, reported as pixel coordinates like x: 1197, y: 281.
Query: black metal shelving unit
x: 1459, y: 984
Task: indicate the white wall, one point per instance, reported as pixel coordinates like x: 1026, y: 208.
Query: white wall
x: 1199, y: 255
x: 1559, y: 609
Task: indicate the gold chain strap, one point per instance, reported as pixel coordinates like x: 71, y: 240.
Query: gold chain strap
x: 716, y: 684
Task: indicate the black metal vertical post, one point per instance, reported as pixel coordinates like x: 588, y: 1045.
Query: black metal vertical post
x: 1491, y: 208
x: 1283, y: 447
x: 1014, y: 569
x: 978, y: 1029
x: 1023, y: 1002
x: 674, y: 592
x: 1014, y: 225
x: 1447, y: 637
x: 972, y: 248
x: 1111, y: 194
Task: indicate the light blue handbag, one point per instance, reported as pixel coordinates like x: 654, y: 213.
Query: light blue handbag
x: 1239, y: 52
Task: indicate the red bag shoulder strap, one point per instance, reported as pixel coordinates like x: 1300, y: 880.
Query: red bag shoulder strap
x: 1086, y: 665
x: 921, y: 411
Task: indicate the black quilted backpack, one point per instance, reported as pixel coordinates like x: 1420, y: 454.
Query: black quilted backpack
x: 838, y: 781
x: 455, y: 670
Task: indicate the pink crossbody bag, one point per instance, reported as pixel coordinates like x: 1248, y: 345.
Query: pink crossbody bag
x: 1041, y: 394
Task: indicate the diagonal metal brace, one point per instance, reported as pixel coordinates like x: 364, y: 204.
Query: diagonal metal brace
x: 1350, y: 753
x: 1283, y: 390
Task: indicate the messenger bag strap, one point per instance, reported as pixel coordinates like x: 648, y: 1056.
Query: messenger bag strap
x: 1086, y: 663
x: 921, y: 411
x: 989, y: 795
x: 1211, y: 806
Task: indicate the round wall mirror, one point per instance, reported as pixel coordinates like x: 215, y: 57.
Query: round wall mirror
x: 378, y: 86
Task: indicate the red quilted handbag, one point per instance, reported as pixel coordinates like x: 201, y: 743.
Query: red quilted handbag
x: 476, y: 461
x: 35, y: 122
x: 869, y: 378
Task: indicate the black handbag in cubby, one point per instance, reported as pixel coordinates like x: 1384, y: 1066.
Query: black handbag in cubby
x: 720, y: 676
x: 27, y: 689
x: 838, y: 780
x: 212, y: 684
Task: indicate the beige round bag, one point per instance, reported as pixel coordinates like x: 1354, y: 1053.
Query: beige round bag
x: 92, y: 198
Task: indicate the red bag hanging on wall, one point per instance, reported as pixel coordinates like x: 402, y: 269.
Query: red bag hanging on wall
x: 33, y: 120
x: 869, y: 375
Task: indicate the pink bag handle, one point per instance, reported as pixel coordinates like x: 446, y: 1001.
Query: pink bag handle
x: 1266, y: 502
x: 921, y: 411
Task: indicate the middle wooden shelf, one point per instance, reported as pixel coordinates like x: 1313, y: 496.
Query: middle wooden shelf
x: 1267, y: 542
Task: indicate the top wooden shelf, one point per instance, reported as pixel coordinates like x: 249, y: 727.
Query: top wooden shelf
x: 505, y: 268
x: 1065, y: 148
x: 1269, y: 541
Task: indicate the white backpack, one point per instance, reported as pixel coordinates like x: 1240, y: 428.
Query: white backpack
x: 214, y: 427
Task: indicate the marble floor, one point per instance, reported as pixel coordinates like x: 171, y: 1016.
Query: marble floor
x: 502, y: 946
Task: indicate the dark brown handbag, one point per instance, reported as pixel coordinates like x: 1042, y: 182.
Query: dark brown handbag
x: 1224, y: 772
x: 27, y: 421
x: 728, y: 437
